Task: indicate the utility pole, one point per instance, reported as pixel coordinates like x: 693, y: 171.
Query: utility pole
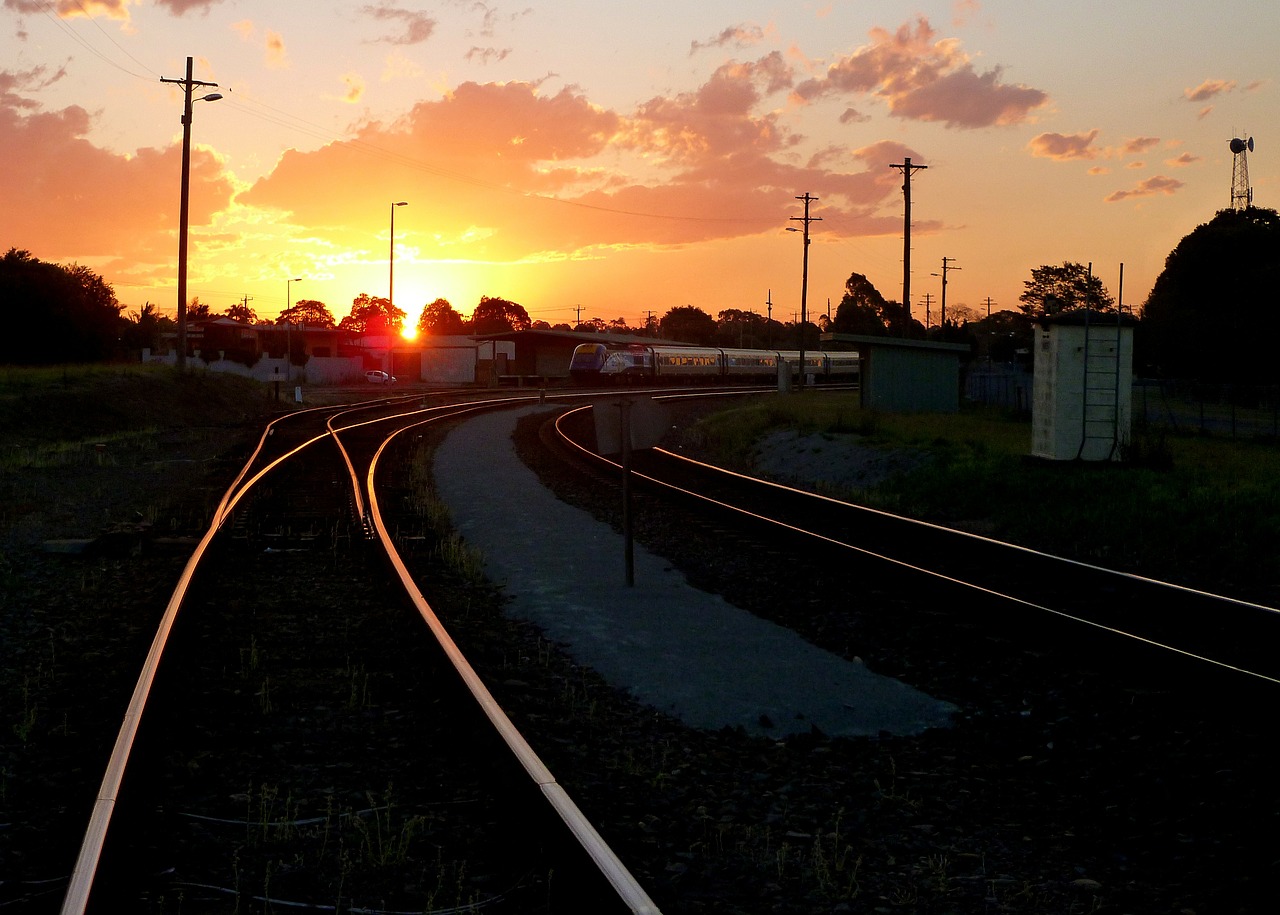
x: 988, y: 306
x: 577, y: 311
x: 804, y: 276
x: 946, y: 265
x: 927, y: 298
x: 188, y: 84
x: 907, y: 169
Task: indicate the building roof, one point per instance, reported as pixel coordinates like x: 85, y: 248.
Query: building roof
x: 895, y: 343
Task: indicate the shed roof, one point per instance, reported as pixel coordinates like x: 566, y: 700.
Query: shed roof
x: 896, y: 343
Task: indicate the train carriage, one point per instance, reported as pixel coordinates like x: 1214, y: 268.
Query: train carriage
x: 594, y: 363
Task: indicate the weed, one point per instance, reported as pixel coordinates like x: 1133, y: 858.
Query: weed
x: 264, y: 696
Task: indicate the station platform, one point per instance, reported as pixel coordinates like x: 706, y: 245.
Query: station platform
x: 685, y: 652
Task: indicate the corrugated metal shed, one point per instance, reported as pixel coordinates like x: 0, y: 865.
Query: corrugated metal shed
x: 906, y: 376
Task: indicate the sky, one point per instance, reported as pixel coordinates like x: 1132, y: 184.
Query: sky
x: 616, y: 160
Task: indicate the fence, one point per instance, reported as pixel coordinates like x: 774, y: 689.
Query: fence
x: 1237, y: 411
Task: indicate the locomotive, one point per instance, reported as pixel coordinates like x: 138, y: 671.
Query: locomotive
x: 599, y: 363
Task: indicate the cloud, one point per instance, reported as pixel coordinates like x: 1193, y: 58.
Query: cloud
x: 921, y: 77
x: 1208, y: 89
x: 563, y: 177
x: 1158, y: 184
x: 718, y: 118
x: 737, y: 36
x: 417, y: 26
x: 355, y: 88
x: 486, y: 55
x: 277, y: 57
x: 70, y: 191
x: 1139, y: 145
x: 962, y: 11
x: 1181, y: 161
x: 1065, y: 146
x: 70, y: 9
x: 182, y: 7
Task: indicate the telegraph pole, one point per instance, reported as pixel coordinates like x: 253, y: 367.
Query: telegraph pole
x: 928, y: 297
x: 946, y: 265
x: 188, y: 84
x: 804, y: 276
x: 907, y: 169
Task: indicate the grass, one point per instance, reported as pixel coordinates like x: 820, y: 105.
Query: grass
x: 82, y: 403
x: 1196, y: 509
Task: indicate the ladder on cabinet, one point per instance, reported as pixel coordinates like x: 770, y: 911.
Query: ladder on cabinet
x: 1100, y: 413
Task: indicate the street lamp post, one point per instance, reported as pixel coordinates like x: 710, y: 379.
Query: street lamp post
x: 391, y: 278
x: 288, y: 325
x: 188, y: 85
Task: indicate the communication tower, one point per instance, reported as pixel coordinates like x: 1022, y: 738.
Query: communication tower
x: 1241, y: 192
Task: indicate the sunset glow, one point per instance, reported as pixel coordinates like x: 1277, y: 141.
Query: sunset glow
x: 606, y: 160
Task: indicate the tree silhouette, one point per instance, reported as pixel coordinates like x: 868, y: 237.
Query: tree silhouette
x: 441, y: 319
x: 309, y: 312
x: 54, y: 313
x: 1052, y: 290
x: 495, y: 316
x: 373, y: 314
x: 1208, y: 310
x: 688, y: 324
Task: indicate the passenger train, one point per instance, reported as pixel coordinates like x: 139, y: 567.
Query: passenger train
x: 598, y: 363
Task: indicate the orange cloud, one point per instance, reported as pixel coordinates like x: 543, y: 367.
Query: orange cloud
x: 963, y: 11
x: 1158, y: 184
x: 276, y: 56
x: 1208, y: 89
x: 182, y: 7
x: 70, y: 9
x: 706, y: 166
x: 415, y: 27
x: 926, y: 79
x: 486, y: 55
x: 1139, y: 145
x: 1182, y: 160
x: 1065, y: 146
x: 70, y: 192
x: 355, y: 88
x: 737, y: 36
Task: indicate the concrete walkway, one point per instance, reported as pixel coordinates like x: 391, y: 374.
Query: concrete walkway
x: 683, y: 651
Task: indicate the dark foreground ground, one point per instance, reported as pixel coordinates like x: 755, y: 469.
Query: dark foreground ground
x: 1064, y: 787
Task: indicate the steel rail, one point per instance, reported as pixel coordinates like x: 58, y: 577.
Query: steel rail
x: 608, y: 863
x: 912, y: 567
x: 85, y: 869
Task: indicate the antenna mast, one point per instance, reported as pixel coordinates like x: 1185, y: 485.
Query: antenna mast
x: 1241, y: 192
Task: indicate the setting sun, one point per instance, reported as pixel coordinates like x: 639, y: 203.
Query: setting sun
x: 409, y: 332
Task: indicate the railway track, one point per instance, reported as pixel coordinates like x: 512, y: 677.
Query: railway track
x: 305, y: 732
x: 1142, y: 621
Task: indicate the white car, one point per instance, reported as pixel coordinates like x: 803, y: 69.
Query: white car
x: 376, y: 377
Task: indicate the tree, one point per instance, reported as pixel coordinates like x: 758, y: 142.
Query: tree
x: 1208, y: 310
x: 198, y: 311
x: 373, y: 314
x: 142, y: 329
x: 688, y: 324
x: 495, y: 316
x: 1056, y: 289
x: 441, y: 319
x: 1003, y: 337
x: 241, y: 311
x: 309, y: 312
x: 863, y: 310
x: 54, y: 313
x: 736, y: 327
